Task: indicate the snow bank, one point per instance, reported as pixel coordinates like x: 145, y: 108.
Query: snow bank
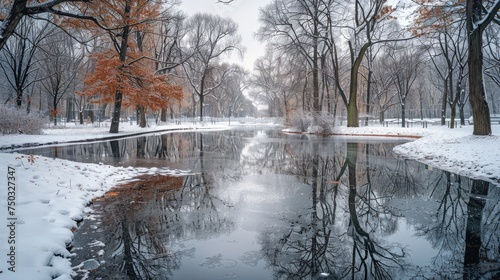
x: 50, y: 195
x: 458, y: 151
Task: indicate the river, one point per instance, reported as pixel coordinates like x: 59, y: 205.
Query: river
x: 261, y: 204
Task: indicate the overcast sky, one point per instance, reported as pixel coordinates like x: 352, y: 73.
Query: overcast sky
x: 244, y: 12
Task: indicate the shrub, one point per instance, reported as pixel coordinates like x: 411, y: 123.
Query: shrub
x: 13, y: 121
x: 305, y: 122
x: 299, y: 120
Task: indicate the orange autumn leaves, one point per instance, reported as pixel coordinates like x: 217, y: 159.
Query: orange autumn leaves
x: 124, y: 66
x: 435, y: 15
x: 135, y: 79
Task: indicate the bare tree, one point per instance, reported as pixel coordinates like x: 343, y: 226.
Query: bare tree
x: 361, y: 23
x: 492, y: 64
x: 229, y: 97
x: 18, y: 58
x: 384, y: 93
x: 277, y: 82
x: 212, y: 37
x: 61, y: 66
x: 449, y: 57
x: 479, y: 15
x: 168, y: 51
x: 16, y: 10
x: 405, y: 63
x: 299, y: 26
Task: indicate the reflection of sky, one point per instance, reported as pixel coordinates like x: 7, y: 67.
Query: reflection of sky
x: 250, y: 205
x: 259, y: 202
x: 263, y: 200
x: 217, y: 258
x: 420, y: 251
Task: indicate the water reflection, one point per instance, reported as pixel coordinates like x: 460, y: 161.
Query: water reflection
x: 271, y: 206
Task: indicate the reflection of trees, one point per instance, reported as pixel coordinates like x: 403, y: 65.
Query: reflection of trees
x: 352, y: 207
x: 446, y: 234
x: 316, y: 242
x: 464, y: 229
x: 146, y: 215
x: 167, y: 149
x: 133, y: 224
x: 370, y: 259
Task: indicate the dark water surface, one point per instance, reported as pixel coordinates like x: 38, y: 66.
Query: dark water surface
x: 265, y: 205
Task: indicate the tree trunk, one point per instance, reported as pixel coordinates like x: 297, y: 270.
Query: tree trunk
x: 352, y: 114
x: 368, y: 93
x: 421, y: 108
x: 115, y: 120
x: 54, y: 106
x: 28, y: 106
x: 142, y: 116
x: 443, y: 105
x: 462, y: 114
x: 80, y: 116
x: 19, y: 97
x: 403, y: 114
x: 352, y: 107
x: 304, y: 89
x: 163, y: 115
x: 453, y: 106
x: 9, y: 24
x: 315, y: 76
x: 200, y: 94
x: 202, y: 97
x: 453, y: 116
x: 477, y: 97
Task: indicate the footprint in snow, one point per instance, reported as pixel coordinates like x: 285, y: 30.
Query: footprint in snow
x: 62, y: 184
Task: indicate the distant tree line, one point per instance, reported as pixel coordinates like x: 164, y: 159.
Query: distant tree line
x: 358, y: 60
x: 106, y: 57
x: 364, y: 58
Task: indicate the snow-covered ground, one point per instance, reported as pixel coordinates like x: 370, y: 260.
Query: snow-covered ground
x: 40, y: 198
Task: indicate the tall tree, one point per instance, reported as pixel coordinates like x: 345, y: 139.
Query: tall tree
x: 18, y: 58
x: 212, y: 37
x: 277, y: 83
x: 448, y: 55
x: 362, y: 25
x: 136, y: 81
x: 383, y: 89
x: 229, y: 96
x: 12, y: 11
x: 405, y: 64
x: 168, y: 52
x: 118, y: 20
x: 492, y: 64
x: 60, y: 66
x: 479, y: 15
x: 298, y: 25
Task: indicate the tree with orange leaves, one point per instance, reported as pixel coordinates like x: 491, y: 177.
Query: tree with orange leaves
x: 135, y: 79
x: 122, y: 75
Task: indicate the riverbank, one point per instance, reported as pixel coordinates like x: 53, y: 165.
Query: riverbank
x: 41, y: 198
